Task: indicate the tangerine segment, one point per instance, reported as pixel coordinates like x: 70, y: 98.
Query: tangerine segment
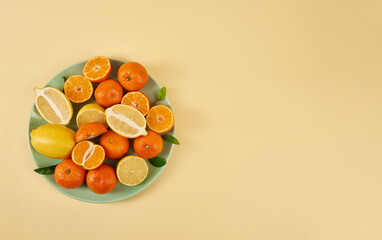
x: 90, y: 130
x: 126, y: 121
x: 88, y: 155
x: 137, y: 100
x: 97, y: 69
x: 78, y: 89
x: 160, y: 119
x: 132, y: 170
x: 53, y: 105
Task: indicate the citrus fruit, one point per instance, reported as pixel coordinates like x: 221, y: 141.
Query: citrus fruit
x: 137, y: 100
x: 97, y: 69
x: 88, y: 155
x: 91, y: 112
x: 132, y: 170
x: 160, y: 119
x: 78, y: 89
x: 68, y: 174
x: 90, y: 130
x: 115, y: 146
x: 53, y: 140
x: 53, y: 105
x: 148, y: 146
x: 132, y: 76
x: 102, y: 180
x: 126, y: 121
x: 108, y: 93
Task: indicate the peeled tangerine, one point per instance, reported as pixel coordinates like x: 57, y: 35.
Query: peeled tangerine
x: 53, y: 140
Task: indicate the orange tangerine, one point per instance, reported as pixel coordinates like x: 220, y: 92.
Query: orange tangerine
x: 160, y: 119
x: 78, y: 89
x: 137, y: 100
x: 97, y: 69
x: 88, y: 155
x: 102, y: 180
x: 90, y: 130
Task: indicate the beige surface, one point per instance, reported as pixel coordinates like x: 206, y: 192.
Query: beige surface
x: 277, y: 104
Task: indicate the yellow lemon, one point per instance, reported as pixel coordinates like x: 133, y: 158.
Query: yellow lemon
x: 53, y: 140
x: 126, y: 121
x: 132, y: 170
x: 53, y: 105
x: 91, y: 112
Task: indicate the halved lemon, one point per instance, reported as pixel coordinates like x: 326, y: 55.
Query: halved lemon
x: 132, y: 170
x: 126, y: 121
x: 91, y: 112
x: 53, y: 105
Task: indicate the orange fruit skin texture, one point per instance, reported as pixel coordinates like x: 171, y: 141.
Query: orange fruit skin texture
x: 132, y: 76
x: 69, y: 175
x: 102, y: 180
x: 108, y: 93
x: 115, y: 146
x: 148, y: 146
x: 90, y: 130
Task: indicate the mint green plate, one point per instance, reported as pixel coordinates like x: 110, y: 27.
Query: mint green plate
x: 83, y: 193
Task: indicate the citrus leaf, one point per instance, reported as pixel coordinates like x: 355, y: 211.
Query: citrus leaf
x: 45, y: 170
x: 157, y: 162
x: 161, y: 94
x: 171, y: 139
x: 65, y: 78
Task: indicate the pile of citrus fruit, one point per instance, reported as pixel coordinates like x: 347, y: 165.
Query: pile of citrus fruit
x: 104, y: 128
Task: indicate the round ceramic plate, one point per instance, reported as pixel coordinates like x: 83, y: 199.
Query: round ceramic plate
x: 83, y: 193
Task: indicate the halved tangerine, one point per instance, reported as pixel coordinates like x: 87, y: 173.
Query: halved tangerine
x: 88, y: 155
x: 160, y: 119
x: 137, y: 100
x: 78, y: 89
x: 97, y: 69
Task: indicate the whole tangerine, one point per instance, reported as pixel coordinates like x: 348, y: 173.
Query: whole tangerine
x: 115, y: 146
x: 148, y: 146
x: 68, y: 174
x: 132, y: 76
x: 102, y: 180
x: 108, y: 93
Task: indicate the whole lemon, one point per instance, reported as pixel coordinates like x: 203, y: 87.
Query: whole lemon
x: 53, y: 140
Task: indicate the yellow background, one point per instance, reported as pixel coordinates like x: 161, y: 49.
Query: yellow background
x: 278, y: 108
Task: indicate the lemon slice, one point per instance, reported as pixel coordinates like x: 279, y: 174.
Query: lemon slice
x: 53, y: 105
x: 91, y: 113
x: 132, y: 170
x: 126, y: 121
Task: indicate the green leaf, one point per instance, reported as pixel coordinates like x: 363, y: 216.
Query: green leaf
x: 171, y: 139
x: 63, y: 77
x: 45, y: 170
x: 161, y: 94
x: 157, y: 162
